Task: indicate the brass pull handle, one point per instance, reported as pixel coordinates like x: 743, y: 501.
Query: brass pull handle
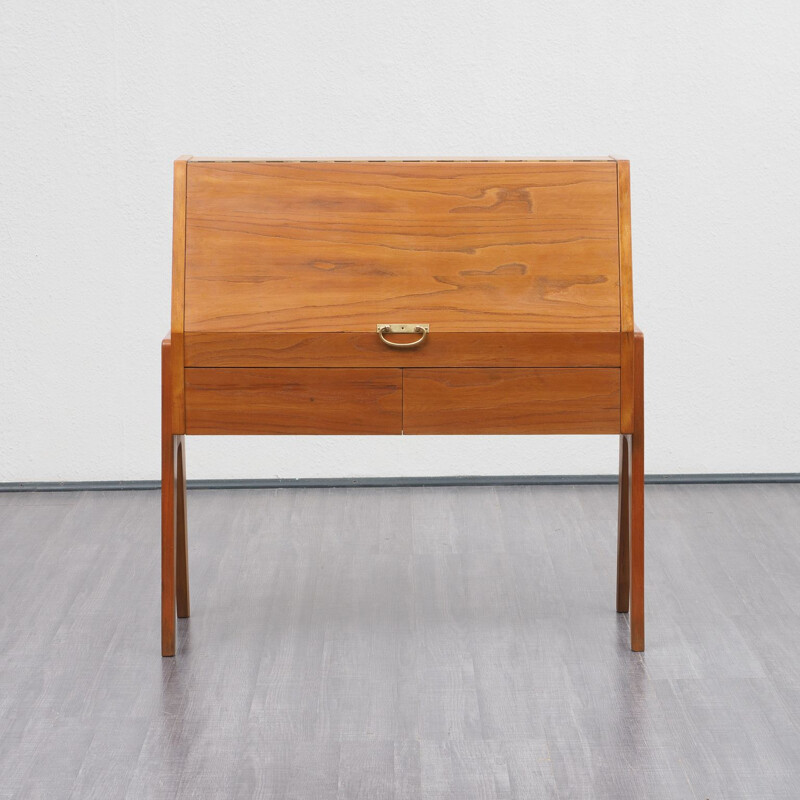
x: 423, y: 329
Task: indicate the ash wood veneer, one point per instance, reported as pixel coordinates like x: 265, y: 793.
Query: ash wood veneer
x: 282, y: 271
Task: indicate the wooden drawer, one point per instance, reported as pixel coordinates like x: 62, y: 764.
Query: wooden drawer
x: 293, y: 400
x: 443, y: 348
x: 487, y: 401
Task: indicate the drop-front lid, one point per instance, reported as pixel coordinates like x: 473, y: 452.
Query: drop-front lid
x: 341, y: 246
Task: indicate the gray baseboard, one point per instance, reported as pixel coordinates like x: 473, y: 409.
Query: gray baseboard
x: 448, y: 480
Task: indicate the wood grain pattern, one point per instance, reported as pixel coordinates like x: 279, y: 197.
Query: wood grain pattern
x: 295, y: 401
x: 637, y: 501
x: 465, y: 247
x: 627, y: 380
x: 441, y: 349
x: 625, y: 249
x: 486, y: 401
x: 522, y: 269
x: 205, y: 160
x: 626, y: 293
x: 178, y: 286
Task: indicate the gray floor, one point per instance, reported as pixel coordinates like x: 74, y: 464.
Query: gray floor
x: 402, y: 643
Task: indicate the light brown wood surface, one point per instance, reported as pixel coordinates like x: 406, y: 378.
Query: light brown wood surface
x: 637, y: 500
x: 441, y: 349
x: 178, y: 282
x: 625, y: 251
x: 295, y: 400
x: 283, y: 269
x: 465, y: 246
x: 486, y: 401
x: 626, y: 293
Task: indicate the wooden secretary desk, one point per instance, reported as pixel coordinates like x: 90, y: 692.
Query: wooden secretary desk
x: 402, y: 297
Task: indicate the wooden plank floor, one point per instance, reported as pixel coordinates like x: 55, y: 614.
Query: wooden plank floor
x: 402, y: 643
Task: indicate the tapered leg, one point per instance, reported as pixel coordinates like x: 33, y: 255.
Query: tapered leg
x: 182, y: 566
x: 624, y: 529
x: 168, y: 448
x: 637, y: 500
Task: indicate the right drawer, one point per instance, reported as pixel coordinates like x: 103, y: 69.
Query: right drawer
x: 495, y: 401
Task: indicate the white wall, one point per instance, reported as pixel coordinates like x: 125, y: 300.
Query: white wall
x: 98, y: 98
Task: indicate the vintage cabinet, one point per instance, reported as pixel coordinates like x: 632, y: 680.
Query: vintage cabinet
x: 402, y: 297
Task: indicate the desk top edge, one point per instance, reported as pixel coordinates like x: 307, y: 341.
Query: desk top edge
x: 206, y: 160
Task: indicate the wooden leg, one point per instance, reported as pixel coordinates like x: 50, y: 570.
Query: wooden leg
x: 637, y: 500
x: 168, y: 520
x: 182, y: 576
x: 624, y: 528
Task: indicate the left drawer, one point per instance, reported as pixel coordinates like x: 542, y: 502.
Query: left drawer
x: 295, y: 400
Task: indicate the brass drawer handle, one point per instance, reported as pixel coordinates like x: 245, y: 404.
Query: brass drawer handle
x: 423, y: 329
